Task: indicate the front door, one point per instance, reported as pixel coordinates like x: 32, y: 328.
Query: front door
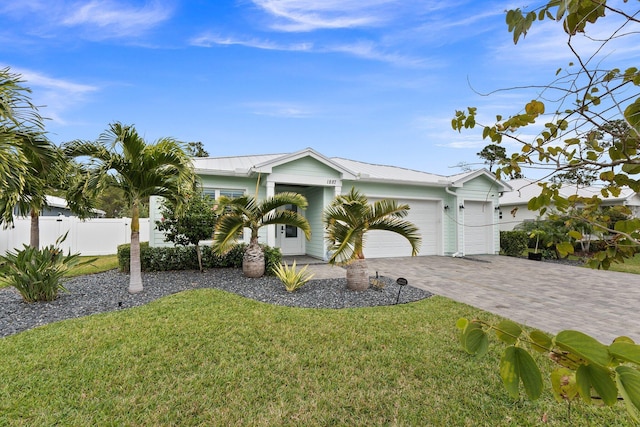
x: 290, y: 239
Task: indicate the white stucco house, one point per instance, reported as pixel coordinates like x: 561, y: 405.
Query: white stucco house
x: 456, y: 214
x: 513, y: 204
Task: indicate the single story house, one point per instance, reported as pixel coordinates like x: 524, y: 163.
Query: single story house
x: 457, y: 215
x: 513, y: 204
x: 57, y: 206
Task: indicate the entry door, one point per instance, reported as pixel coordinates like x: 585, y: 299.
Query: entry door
x: 290, y: 239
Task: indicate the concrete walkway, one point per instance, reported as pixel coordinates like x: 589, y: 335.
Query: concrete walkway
x: 547, y: 296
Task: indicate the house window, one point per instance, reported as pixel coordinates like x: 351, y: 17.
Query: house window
x: 214, y: 193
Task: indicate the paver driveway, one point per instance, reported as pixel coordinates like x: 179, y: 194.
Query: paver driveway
x: 547, y: 296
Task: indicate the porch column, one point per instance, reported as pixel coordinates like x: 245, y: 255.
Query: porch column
x: 271, y: 229
x: 337, y: 190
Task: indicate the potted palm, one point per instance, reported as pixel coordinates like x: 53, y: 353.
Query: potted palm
x: 239, y: 213
x: 537, y: 234
x: 349, y: 217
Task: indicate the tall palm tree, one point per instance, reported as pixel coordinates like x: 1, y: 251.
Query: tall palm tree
x: 243, y: 212
x: 121, y: 158
x: 348, y: 218
x: 18, y: 117
x: 46, y: 166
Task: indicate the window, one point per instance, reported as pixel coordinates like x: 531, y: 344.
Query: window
x: 214, y: 193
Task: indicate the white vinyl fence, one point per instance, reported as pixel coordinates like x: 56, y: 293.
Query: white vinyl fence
x: 95, y: 236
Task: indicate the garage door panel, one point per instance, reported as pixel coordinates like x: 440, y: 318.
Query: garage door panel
x: 425, y: 215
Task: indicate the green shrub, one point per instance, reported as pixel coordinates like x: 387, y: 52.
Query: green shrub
x: 184, y: 258
x: 291, y: 278
x: 513, y: 243
x: 272, y: 259
x: 37, y: 273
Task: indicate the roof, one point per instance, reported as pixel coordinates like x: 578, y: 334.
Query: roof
x: 59, y: 202
x: 351, y: 169
x: 525, y: 189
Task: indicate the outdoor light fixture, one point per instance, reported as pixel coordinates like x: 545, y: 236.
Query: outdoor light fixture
x: 401, y: 282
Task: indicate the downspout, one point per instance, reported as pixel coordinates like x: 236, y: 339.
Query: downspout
x: 458, y: 252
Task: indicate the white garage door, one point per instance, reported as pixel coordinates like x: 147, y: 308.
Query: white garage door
x: 425, y: 215
x: 478, y: 228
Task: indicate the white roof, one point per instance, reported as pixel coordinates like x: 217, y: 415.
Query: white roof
x: 246, y: 165
x: 59, y: 202
x: 524, y: 189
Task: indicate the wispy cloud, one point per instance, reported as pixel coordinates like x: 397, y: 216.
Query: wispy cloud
x: 209, y: 40
x: 96, y: 19
x: 310, y: 15
x: 55, y: 96
x: 279, y: 109
x: 113, y: 19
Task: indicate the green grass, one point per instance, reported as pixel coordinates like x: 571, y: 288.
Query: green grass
x: 207, y: 357
x: 631, y: 265
x: 101, y: 263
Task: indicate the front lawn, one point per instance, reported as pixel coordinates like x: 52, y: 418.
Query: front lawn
x: 631, y: 265
x: 207, y: 357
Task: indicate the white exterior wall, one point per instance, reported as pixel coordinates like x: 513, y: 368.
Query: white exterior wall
x: 95, y: 236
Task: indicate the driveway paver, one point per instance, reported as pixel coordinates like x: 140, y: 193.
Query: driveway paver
x: 547, y: 296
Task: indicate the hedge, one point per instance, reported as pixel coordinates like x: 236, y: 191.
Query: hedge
x: 513, y: 243
x: 185, y: 258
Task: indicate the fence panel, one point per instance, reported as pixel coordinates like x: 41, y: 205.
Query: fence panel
x: 96, y: 236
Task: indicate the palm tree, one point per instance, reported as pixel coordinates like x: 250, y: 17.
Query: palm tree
x: 243, y: 212
x: 18, y: 117
x: 121, y: 158
x: 46, y: 168
x: 349, y: 217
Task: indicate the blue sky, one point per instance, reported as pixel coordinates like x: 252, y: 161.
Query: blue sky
x: 371, y: 80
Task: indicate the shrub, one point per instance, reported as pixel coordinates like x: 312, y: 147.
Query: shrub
x: 291, y: 278
x: 37, y: 273
x: 184, y: 258
x: 272, y: 259
x: 513, y: 243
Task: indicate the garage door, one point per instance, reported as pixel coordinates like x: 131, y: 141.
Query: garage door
x: 425, y: 215
x: 478, y: 228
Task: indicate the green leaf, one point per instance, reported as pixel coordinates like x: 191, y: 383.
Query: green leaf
x: 583, y: 346
x: 541, y: 342
x: 564, y: 248
x: 474, y: 339
x: 631, y: 168
x: 508, y: 331
x: 628, y: 380
x: 575, y: 234
x: 563, y: 384
x: 462, y: 323
x: 517, y: 365
x: 588, y: 376
x: 629, y: 352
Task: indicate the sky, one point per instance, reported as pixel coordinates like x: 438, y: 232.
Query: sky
x: 371, y: 80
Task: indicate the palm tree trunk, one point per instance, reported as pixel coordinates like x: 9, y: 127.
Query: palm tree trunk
x: 253, y: 260
x: 34, y: 236
x: 358, y: 275
x: 135, y: 275
x: 199, y: 253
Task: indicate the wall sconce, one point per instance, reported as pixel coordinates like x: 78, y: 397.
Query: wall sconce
x: 461, y: 206
x: 446, y: 207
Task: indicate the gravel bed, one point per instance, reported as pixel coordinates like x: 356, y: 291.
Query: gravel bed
x: 107, y: 291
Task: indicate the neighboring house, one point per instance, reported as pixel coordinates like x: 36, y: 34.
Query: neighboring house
x: 513, y: 204
x: 455, y: 214
x: 57, y: 206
